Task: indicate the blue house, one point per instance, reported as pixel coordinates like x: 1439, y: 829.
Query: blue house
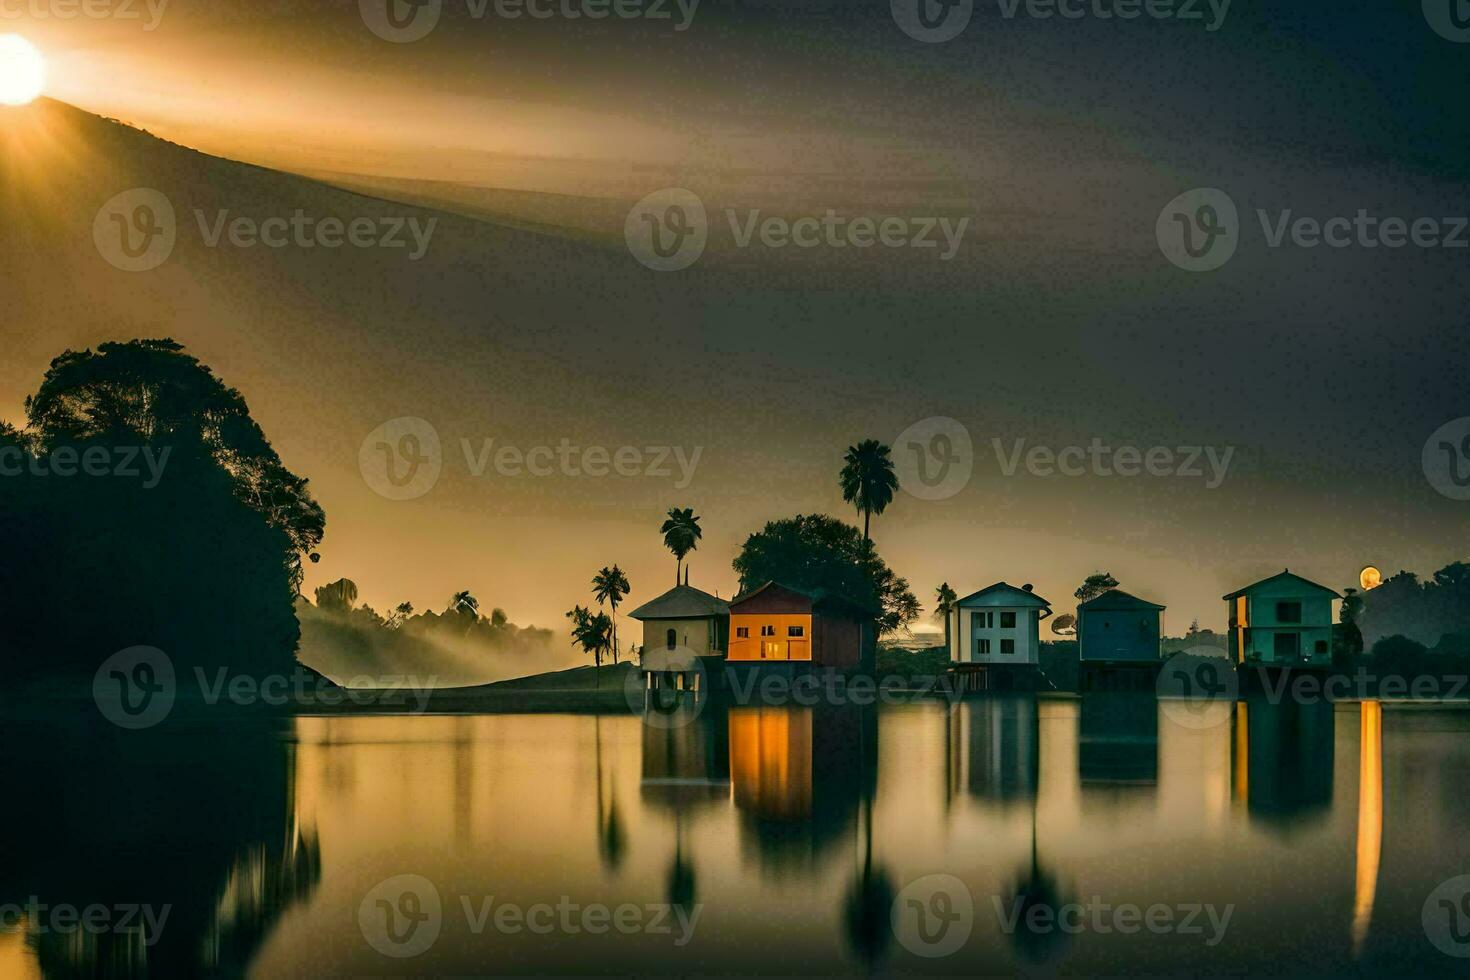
x: 1281, y: 621
x: 1118, y: 628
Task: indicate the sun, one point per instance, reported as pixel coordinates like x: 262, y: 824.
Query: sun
x: 22, y: 70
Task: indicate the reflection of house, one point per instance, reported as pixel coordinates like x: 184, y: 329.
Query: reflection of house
x: 1284, y: 620
x: 686, y: 764
x: 778, y: 624
x: 1118, y: 635
x: 1285, y: 774
x: 997, y: 627
x: 992, y: 751
x: 1118, y: 739
x: 685, y: 632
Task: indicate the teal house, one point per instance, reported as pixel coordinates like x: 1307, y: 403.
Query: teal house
x: 1118, y: 628
x: 1281, y: 621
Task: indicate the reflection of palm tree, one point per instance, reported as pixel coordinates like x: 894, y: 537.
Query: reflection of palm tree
x: 609, y: 586
x: 1038, y: 888
x: 611, y: 840
x: 681, y: 535
x: 870, y: 897
x: 868, y: 480
x: 682, y: 881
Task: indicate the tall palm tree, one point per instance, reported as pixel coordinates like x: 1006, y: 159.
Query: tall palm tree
x: 868, y: 480
x: 944, y: 602
x: 609, y: 586
x: 681, y: 535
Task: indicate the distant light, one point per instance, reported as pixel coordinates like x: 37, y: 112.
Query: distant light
x: 22, y: 70
x: 1370, y: 578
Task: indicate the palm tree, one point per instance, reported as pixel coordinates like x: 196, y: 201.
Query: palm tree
x: 592, y: 632
x: 944, y: 602
x: 609, y: 586
x: 681, y: 535
x: 464, y: 604
x: 868, y: 480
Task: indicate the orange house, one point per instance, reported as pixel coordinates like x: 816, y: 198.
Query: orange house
x: 779, y: 624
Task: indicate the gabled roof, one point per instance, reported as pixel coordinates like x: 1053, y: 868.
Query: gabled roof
x: 1004, y: 590
x: 1285, y: 577
x: 1116, y: 600
x: 818, y: 597
x: 682, y: 602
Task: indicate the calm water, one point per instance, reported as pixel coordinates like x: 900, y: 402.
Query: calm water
x: 789, y: 831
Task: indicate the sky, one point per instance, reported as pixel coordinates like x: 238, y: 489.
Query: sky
x: 1320, y: 373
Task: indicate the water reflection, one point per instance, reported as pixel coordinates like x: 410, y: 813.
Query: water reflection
x: 786, y: 832
x: 199, y: 826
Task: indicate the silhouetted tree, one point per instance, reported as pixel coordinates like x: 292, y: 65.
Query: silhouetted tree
x: 944, y: 605
x: 867, y: 480
x: 681, y: 533
x: 609, y: 586
x: 1095, y: 585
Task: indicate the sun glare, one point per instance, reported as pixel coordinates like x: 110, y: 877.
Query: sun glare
x: 22, y: 70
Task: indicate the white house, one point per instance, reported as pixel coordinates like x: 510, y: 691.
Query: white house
x: 998, y: 626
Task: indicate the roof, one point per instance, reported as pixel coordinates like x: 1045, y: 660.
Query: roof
x: 1116, y: 600
x: 1004, y: 590
x: 818, y: 597
x: 682, y: 602
x: 1284, y: 578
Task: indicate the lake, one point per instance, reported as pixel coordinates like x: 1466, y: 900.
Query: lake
x: 1105, y: 835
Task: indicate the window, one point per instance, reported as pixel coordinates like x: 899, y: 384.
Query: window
x: 742, y: 632
x: 796, y: 631
x: 1321, y: 646
x: 1287, y: 645
x: 1007, y: 620
x: 768, y: 631
x: 673, y: 639
x: 1288, y: 612
x: 982, y: 647
x: 1007, y: 646
x: 984, y: 620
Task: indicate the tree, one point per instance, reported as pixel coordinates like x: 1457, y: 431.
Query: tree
x: 818, y: 552
x: 464, y: 604
x: 592, y: 632
x: 867, y: 480
x: 150, y: 391
x: 1095, y: 585
x: 944, y: 605
x: 681, y: 535
x: 498, y: 618
x: 609, y: 586
x: 400, y: 615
